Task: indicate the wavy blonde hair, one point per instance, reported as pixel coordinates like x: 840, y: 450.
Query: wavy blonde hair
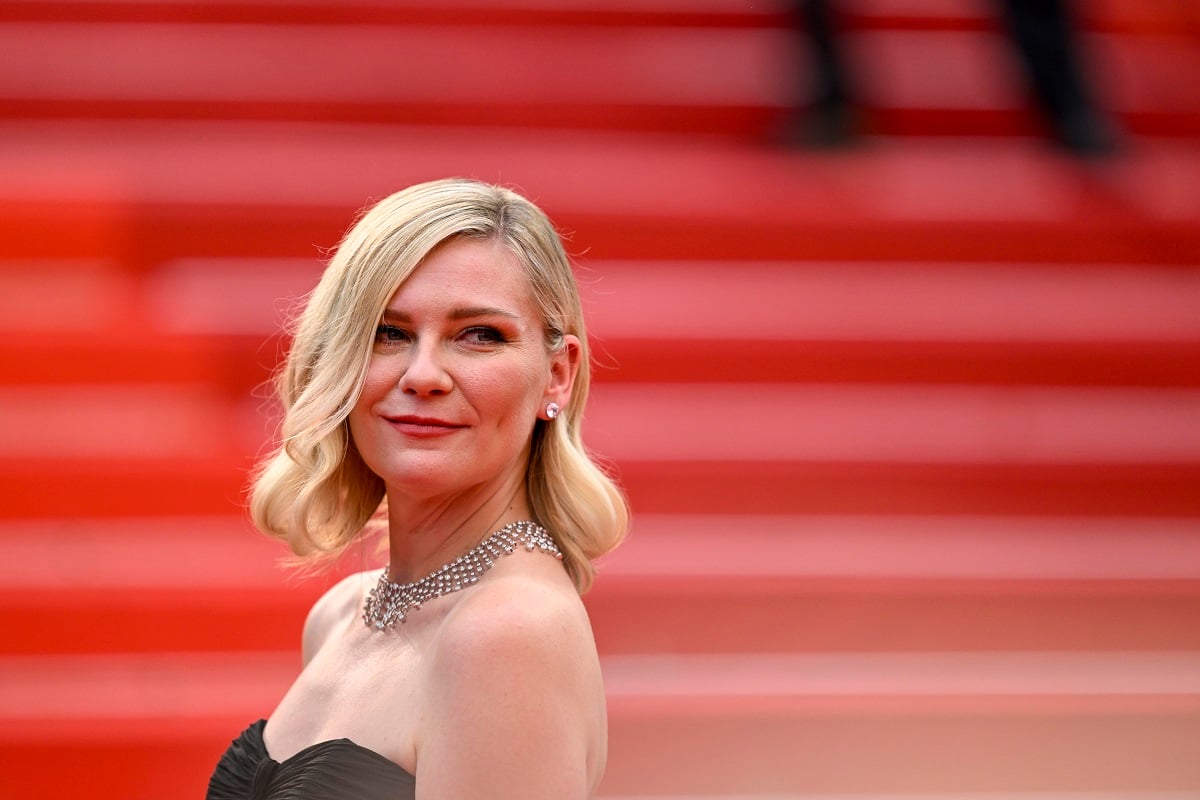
x: 314, y: 491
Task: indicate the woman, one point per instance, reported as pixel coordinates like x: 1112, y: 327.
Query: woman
x: 436, y: 384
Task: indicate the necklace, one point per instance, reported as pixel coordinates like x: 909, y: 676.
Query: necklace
x: 390, y: 602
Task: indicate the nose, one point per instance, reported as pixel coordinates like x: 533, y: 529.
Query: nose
x: 425, y: 374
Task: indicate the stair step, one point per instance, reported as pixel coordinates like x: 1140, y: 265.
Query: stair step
x: 893, y: 424
x: 684, y: 422
x: 464, y: 13
x: 717, y: 448
x: 152, y: 422
x: 1131, y: 17
x: 811, y: 301
x: 619, y: 196
x: 711, y: 487
x: 218, y: 322
x: 724, y: 80
x: 714, y: 584
x: 234, y: 367
x: 724, y: 615
x: 43, y: 689
x: 141, y: 487
x: 240, y: 366
x: 857, y: 302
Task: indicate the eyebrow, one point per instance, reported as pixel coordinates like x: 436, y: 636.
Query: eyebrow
x: 471, y: 312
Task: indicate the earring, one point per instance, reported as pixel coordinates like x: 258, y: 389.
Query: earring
x: 552, y: 410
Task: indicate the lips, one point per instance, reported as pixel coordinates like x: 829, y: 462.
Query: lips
x: 423, y: 426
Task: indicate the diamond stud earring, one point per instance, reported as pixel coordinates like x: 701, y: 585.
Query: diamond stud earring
x: 552, y: 410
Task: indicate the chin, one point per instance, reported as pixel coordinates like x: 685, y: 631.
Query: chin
x: 429, y: 478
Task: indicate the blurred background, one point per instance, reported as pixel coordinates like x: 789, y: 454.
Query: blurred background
x: 904, y: 388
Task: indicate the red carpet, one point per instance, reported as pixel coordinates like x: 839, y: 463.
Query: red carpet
x: 911, y: 430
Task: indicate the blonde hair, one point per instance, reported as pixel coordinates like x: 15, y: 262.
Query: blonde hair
x: 315, y: 492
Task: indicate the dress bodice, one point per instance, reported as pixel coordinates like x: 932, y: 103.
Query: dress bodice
x: 328, y: 770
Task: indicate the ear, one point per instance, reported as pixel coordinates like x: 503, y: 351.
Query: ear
x: 564, y: 366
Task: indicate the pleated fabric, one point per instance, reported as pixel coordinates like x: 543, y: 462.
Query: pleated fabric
x: 331, y: 770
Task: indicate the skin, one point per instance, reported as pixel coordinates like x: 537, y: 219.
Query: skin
x: 494, y: 691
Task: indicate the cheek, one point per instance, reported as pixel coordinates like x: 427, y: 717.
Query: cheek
x: 382, y: 377
x: 505, y: 395
x: 375, y: 386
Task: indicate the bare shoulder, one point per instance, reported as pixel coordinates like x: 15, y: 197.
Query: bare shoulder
x: 517, y: 611
x: 520, y: 617
x: 515, y: 662
x: 340, y: 602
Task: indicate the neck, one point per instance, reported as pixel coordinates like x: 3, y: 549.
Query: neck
x: 390, y: 603
x: 424, y: 535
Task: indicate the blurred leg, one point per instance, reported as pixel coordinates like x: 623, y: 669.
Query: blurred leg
x: 831, y: 117
x: 1045, y: 36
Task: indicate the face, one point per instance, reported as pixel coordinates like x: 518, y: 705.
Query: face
x: 459, y: 375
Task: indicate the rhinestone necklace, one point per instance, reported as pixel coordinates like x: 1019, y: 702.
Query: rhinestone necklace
x: 390, y: 602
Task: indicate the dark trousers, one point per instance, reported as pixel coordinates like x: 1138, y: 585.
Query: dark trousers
x: 1043, y: 35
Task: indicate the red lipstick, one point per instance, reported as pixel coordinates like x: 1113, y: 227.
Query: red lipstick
x: 413, y: 425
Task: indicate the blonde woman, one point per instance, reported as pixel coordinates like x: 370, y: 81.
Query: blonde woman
x: 436, y: 384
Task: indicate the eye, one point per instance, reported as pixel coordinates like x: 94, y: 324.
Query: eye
x: 390, y: 334
x: 483, y: 335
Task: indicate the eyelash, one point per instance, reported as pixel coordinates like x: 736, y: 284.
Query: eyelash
x: 390, y: 334
x: 383, y: 334
x: 491, y: 335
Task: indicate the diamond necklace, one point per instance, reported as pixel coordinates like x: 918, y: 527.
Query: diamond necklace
x: 390, y: 602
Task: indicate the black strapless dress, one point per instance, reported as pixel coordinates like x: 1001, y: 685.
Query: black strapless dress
x: 331, y: 770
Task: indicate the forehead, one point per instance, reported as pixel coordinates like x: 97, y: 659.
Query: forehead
x: 468, y: 272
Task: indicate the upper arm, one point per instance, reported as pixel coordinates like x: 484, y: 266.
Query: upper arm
x: 516, y: 707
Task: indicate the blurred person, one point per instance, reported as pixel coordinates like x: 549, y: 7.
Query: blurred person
x: 1043, y: 34
x: 434, y: 390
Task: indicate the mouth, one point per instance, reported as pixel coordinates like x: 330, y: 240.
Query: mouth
x: 428, y: 426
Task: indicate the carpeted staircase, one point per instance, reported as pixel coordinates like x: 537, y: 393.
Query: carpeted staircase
x: 911, y: 429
